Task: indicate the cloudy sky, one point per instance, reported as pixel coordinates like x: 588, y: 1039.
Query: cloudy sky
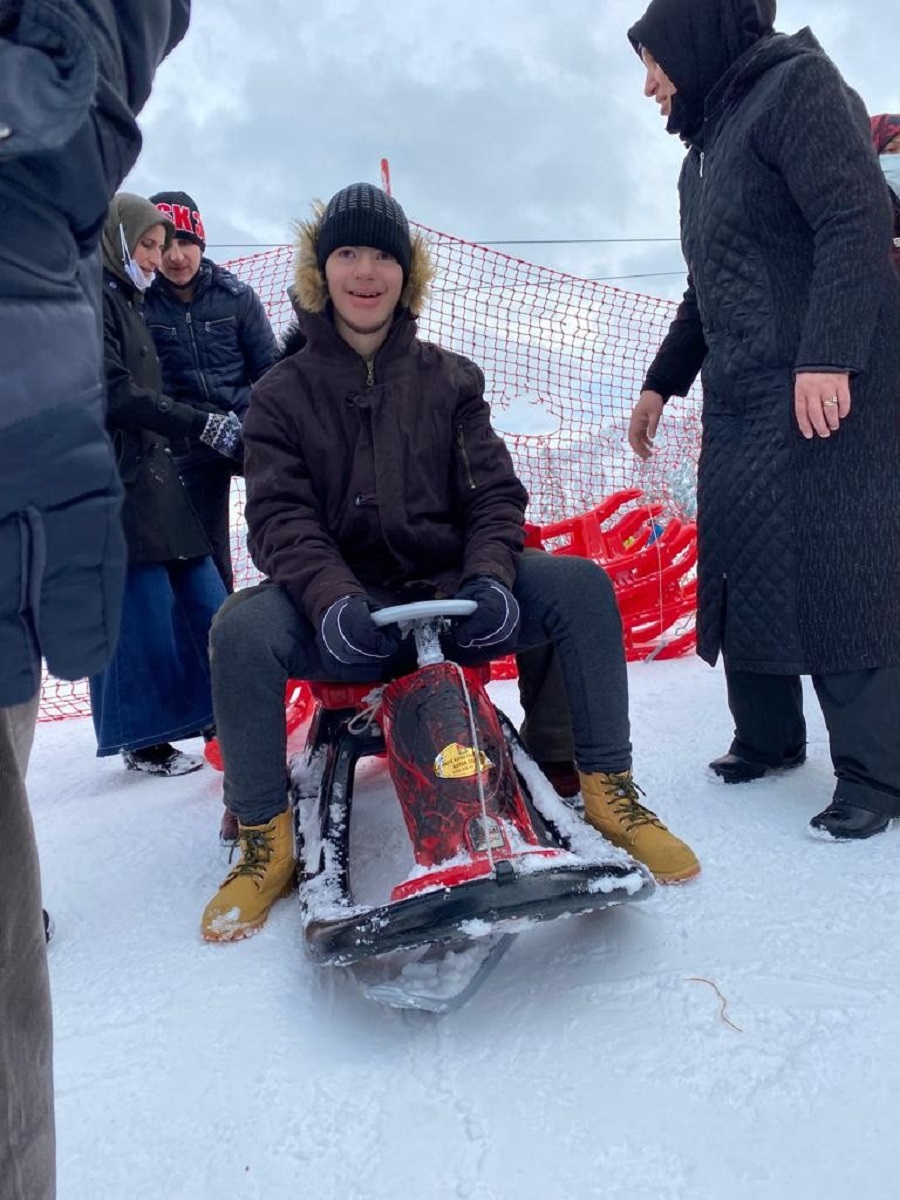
x: 503, y: 120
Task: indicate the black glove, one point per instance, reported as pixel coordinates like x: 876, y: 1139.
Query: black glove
x: 222, y: 431
x: 494, y: 625
x: 348, y: 635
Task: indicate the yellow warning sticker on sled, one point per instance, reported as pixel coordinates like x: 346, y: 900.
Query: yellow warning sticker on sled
x: 459, y: 762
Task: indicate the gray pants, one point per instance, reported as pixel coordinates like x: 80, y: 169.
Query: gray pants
x: 27, y: 1139
x: 259, y: 640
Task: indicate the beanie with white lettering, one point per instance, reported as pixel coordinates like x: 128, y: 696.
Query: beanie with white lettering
x: 184, y: 215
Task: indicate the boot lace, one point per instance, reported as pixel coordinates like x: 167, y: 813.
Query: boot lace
x: 256, y: 852
x: 626, y: 805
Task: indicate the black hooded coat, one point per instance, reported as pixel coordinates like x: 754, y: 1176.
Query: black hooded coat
x: 159, y: 522
x: 785, y: 227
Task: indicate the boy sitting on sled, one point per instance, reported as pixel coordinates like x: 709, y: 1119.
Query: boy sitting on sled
x: 374, y: 477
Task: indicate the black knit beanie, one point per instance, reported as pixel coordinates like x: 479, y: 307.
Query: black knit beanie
x: 184, y: 215
x: 363, y: 215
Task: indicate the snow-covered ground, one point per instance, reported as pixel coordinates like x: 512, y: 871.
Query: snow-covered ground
x: 596, y: 1061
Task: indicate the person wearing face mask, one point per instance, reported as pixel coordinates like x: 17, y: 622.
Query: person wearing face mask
x: 156, y: 689
x: 792, y: 313
x: 886, y: 140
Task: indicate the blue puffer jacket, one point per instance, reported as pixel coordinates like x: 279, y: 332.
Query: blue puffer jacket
x: 215, y: 348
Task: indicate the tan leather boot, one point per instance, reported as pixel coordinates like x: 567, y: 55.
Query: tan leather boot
x: 612, y: 806
x: 265, y: 873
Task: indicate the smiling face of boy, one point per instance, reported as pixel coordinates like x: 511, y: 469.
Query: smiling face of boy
x: 365, y: 286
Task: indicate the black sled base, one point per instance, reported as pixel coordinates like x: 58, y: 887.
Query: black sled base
x: 543, y: 884
x: 468, y: 910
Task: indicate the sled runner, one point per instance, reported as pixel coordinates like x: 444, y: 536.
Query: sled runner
x: 494, y: 847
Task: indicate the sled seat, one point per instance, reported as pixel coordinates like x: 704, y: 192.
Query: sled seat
x: 301, y: 698
x: 333, y: 696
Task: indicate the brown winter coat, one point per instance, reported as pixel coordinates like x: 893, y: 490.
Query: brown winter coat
x: 383, y: 478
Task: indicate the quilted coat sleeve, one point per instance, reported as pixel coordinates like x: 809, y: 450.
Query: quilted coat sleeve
x: 818, y: 140
x: 287, y: 538
x: 680, y: 357
x: 492, y: 498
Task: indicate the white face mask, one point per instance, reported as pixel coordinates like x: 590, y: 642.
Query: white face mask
x: 140, y: 278
x: 890, y: 164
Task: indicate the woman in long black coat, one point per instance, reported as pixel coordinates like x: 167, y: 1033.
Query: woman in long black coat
x: 156, y: 689
x: 793, y: 313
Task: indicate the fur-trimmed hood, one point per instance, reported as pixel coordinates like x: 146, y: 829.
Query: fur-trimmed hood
x: 310, y: 292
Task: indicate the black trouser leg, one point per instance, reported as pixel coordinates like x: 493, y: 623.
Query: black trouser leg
x: 768, y: 716
x: 547, y: 724
x: 208, y: 484
x: 258, y: 642
x: 862, y: 713
x: 570, y: 603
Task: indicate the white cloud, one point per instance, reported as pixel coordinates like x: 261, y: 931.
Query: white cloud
x: 501, y: 119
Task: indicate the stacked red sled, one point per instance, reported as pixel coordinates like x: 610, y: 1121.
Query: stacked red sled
x: 651, y: 565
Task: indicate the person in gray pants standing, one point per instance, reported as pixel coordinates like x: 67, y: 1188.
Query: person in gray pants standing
x: 73, y: 75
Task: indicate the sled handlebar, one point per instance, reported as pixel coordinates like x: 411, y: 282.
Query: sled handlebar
x: 423, y: 610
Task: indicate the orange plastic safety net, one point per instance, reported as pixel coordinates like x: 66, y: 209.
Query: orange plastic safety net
x: 564, y: 359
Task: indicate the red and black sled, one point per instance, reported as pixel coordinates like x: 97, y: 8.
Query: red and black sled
x: 494, y: 847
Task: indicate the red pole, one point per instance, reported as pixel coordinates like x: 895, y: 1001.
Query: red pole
x: 386, y: 175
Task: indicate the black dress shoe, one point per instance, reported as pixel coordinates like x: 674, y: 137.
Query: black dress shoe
x: 734, y: 769
x: 845, y: 822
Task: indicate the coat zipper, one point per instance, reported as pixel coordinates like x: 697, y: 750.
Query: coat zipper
x: 190, y: 325
x: 461, y: 442
x: 702, y: 160
x: 370, y: 372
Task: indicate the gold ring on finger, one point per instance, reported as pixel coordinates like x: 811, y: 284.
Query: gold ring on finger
x: 831, y: 402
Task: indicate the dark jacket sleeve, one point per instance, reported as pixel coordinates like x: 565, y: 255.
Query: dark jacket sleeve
x: 73, y: 76
x: 134, y: 407
x: 148, y: 33
x: 842, y: 197
x: 283, y: 513
x: 680, y: 357
x: 491, y: 496
x: 48, y: 75
x: 257, y: 339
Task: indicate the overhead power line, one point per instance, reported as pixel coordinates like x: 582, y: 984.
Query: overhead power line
x: 570, y: 241
x: 645, y: 275
x: 477, y: 242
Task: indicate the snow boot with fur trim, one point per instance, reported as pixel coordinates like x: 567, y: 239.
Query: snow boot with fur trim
x: 612, y: 806
x: 265, y: 873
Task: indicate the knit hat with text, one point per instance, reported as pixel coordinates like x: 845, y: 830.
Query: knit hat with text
x: 184, y: 215
x: 364, y: 215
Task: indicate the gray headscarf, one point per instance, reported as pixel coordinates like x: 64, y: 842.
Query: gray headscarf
x: 132, y: 215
